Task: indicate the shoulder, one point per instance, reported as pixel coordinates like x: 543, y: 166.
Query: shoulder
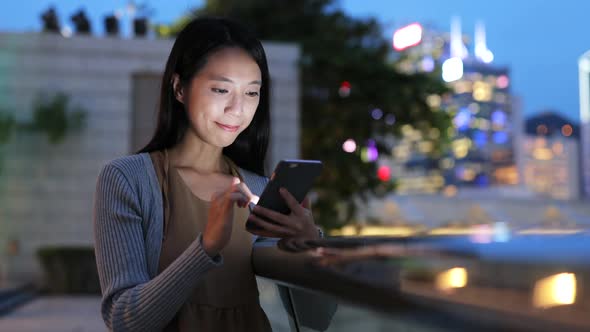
x: 135, y: 169
x: 128, y: 164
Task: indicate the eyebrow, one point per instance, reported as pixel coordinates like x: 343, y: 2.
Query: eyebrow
x: 225, y: 79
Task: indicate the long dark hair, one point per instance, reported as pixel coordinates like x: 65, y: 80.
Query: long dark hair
x: 195, y: 43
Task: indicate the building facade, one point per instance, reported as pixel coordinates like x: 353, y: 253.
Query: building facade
x: 552, y: 167
x: 584, y: 77
x: 485, y: 125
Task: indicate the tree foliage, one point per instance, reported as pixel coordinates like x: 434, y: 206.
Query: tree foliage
x: 52, y: 115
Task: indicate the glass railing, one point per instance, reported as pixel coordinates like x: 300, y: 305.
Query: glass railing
x: 443, y: 283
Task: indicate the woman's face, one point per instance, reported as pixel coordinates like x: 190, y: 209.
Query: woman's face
x: 223, y: 96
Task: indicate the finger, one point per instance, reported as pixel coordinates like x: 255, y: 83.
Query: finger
x: 237, y: 197
x: 306, y: 203
x: 286, y: 244
x: 254, y: 199
x: 276, y: 229
x: 221, y: 194
x: 272, y: 215
x: 300, y: 245
x: 244, y: 188
x: 291, y: 201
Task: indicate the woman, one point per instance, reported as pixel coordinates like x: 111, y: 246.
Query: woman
x: 171, y: 247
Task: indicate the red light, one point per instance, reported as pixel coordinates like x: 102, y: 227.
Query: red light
x: 567, y: 130
x: 384, y: 173
x: 345, y: 84
x: 408, y: 36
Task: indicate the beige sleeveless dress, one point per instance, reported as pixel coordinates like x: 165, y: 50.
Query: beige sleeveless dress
x: 226, y: 298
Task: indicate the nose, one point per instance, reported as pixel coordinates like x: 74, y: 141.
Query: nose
x: 235, y: 106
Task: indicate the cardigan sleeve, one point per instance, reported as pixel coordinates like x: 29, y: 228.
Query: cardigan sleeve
x: 131, y: 301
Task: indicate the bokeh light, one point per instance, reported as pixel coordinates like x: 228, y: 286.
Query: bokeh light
x: 452, y: 279
x: 557, y: 148
x: 407, y: 36
x: 390, y: 119
x: 369, y: 153
x: 344, y: 90
x: 487, y: 56
x: 452, y: 69
x: 482, y: 91
x: 428, y: 64
x: 480, y: 138
x: 461, y: 147
x: 498, y: 119
x: 555, y: 290
x: 384, y: 173
x: 542, y: 130
x: 567, y: 130
x: 462, y: 119
x: 500, y: 137
x: 377, y: 113
x: 450, y: 191
x: 502, y: 82
x: 433, y: 101
x: 349, y: 145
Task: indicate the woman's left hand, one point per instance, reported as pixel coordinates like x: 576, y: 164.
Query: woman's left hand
x: 299, y: 223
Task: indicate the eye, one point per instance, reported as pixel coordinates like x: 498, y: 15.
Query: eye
x: 220, y: 91
x: 252, y: 94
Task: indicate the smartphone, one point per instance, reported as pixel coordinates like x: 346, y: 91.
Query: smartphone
x: 297, y: 176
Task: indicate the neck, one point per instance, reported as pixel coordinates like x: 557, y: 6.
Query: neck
x: 197, y: 155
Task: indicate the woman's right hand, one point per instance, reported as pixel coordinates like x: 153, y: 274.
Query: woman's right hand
x: 218, y: 230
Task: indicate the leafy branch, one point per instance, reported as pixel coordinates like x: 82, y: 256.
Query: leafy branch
x: 52, y: 116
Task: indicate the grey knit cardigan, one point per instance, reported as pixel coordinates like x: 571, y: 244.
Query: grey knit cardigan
x: 128, y: 231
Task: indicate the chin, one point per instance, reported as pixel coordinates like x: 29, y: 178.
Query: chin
x: 224, y: 143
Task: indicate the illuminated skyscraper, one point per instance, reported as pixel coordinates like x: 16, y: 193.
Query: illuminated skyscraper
x: 584, y: 72
x: 482, y: 149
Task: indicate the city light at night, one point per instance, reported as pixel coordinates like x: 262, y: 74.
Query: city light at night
x: 559, y: 289
x: 349, y: 145
x: 407, y: 36
x: 452, y: 69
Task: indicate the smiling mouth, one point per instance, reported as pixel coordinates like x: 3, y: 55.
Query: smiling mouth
x: 227, y: 128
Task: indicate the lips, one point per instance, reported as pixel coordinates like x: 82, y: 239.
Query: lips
x: 227, y: 127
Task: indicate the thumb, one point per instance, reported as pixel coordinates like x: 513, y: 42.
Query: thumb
x: 306, y: 202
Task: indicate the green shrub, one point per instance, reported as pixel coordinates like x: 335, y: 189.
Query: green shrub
x: 69, y: 270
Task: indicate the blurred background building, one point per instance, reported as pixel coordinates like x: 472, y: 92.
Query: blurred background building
x: 485, y: 119
x: 500, y: 165
x: 584, y: 77
x: 551, y: 157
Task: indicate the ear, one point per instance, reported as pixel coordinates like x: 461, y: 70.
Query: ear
x: 177, y: 88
